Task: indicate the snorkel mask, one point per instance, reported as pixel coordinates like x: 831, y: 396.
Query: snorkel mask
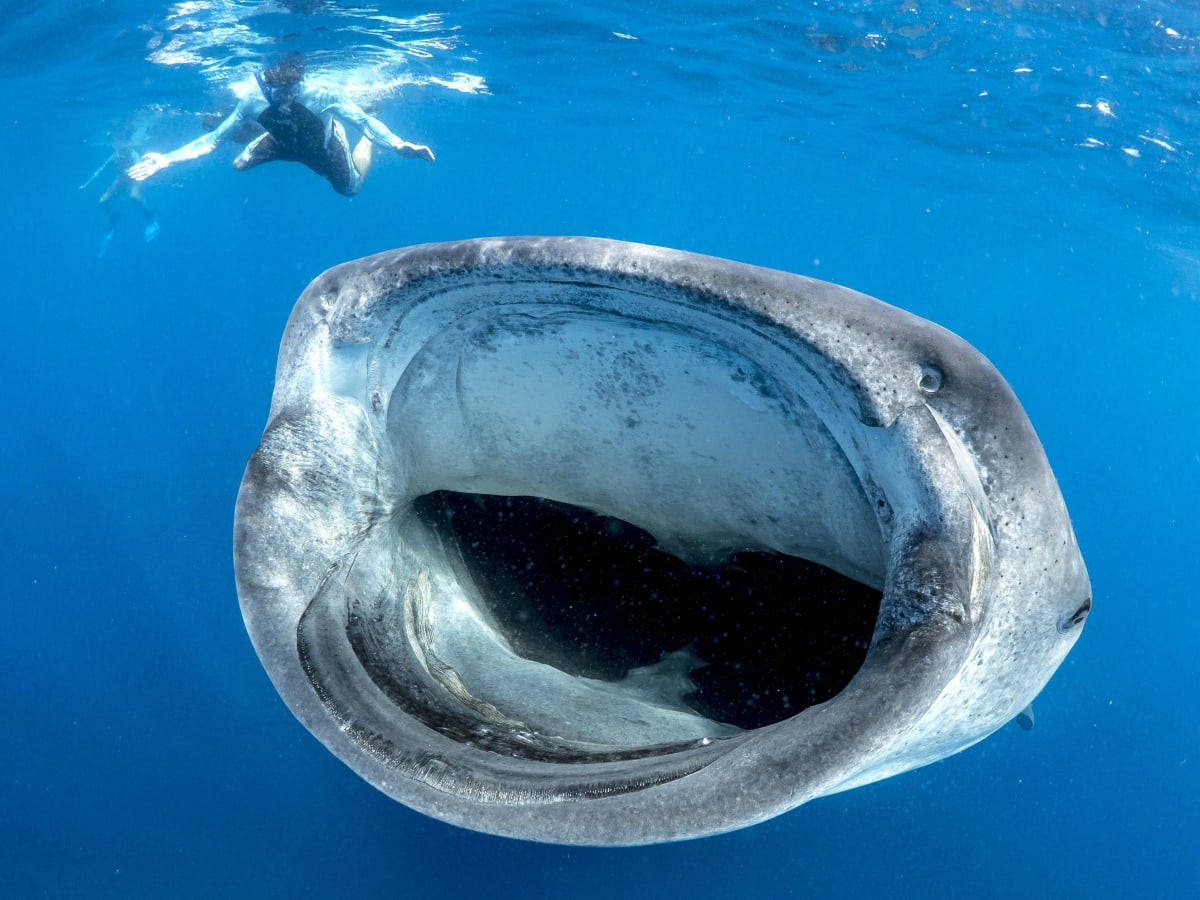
x: 276, y: 94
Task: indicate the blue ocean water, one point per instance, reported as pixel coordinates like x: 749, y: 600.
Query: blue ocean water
x: 1022, y: 172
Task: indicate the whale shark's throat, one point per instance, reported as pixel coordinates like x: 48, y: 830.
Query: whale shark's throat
x: 746, y: 642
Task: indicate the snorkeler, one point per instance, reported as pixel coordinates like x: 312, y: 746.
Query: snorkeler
x: 302, y: 124
x: 123, y: 188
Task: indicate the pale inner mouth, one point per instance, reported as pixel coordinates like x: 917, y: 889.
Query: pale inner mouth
x: 613, y: 539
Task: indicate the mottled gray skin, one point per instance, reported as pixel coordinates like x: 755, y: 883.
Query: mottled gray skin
x: 915, y: 470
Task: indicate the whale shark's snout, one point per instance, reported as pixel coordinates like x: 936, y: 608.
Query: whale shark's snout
x: 591, y: 542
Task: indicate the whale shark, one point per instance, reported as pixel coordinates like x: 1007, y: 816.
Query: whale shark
x: 590, y: 542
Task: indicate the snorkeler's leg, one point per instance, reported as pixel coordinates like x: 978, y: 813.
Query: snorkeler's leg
x: 108, y: 202
x: 110, y: 195
x: 255, y: 153
x: 343, y: 172
x: 135, y: 194
x: 362, y: 156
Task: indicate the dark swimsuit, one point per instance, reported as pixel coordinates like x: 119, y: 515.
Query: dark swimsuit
x: 296, y: 134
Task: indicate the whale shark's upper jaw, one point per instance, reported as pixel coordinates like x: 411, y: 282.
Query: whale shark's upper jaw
x: 591, y: 542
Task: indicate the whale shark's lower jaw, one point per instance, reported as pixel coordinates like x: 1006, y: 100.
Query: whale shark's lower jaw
x: 590, y: 542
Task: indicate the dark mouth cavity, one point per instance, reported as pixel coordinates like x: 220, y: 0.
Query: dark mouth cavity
x: 593, y: 596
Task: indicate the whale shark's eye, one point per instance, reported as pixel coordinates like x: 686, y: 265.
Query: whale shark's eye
x: 1075, y: 619
x: 932, y: 378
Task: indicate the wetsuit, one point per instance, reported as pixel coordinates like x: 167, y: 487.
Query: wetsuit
x: 309, y: 130
x: 294, y: 133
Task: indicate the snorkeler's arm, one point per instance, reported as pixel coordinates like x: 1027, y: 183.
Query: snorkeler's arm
x: 96, y: 174
x: 153, y: 163
x: 377, y: 132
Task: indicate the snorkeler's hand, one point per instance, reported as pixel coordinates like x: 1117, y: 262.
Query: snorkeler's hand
x: 151, y: 164
x: 414, y: 151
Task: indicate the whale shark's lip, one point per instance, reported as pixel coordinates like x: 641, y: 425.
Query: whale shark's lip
x: 599, y: 394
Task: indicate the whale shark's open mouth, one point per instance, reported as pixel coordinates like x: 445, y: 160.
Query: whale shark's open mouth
x: 584, y: 541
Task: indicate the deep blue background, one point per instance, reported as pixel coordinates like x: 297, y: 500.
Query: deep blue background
x: 144, y: 752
